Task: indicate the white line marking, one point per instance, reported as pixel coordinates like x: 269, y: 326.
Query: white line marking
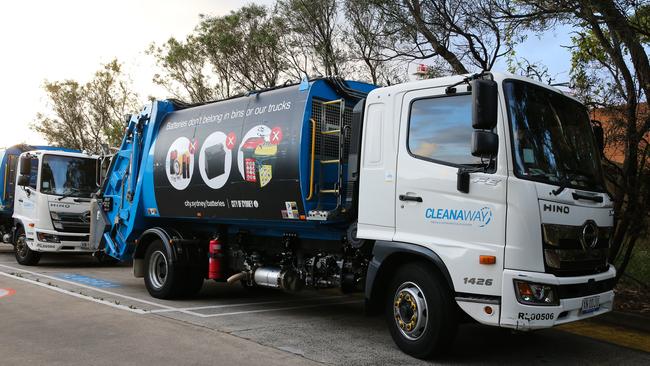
x: 90, y: 287
x: 248, y: 304
x: 277, y: 309
x: 74, y: 294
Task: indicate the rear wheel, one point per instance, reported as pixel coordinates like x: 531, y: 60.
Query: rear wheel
x: 24, y: 255
x: 420, y: 311
x: 166, y: 280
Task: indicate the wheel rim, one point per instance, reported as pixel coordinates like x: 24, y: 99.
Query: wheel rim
x: 410, y: 311
x: 158, y: 269
x: 21, y: 246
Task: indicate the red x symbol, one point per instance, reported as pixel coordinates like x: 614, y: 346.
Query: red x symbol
x: 193, y: 145
x: 230, y: 140
x: 276, y: 135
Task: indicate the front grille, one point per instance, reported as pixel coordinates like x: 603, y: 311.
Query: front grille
x: 72, y: 222
x: 565, y: 254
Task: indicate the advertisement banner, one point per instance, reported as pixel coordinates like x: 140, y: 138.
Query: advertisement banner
x: 234, y: 159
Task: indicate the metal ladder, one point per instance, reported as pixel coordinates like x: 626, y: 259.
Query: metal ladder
x: 325, y: 188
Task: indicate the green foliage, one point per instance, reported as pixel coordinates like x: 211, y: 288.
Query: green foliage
x: 247, y: 43
x: 87, y: 116
x: 185, y: 68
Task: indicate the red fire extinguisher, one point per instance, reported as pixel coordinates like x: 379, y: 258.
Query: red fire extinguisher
x: 214, y: 262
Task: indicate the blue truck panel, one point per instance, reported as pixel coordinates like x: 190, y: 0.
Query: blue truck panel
x: 243, y: 161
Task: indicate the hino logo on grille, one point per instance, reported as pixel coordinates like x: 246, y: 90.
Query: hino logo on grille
x: 589, y: 237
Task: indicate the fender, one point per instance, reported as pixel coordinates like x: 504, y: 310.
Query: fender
x: 383, y: 250
x: 148, y: 236
x: 183, y: 252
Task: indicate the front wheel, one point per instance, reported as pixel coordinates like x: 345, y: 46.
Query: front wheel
x: 420, y: 311
x: 24, y: 255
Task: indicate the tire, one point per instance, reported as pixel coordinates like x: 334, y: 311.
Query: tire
x: 24, y: 255
x: 164, y: 279
x: 420, y: 311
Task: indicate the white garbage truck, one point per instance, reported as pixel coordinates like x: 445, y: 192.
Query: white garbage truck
x: 474, y: 194
x: 51, y: 203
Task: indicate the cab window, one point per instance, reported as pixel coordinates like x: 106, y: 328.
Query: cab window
x: 33, y: 174
x: 440, y: 130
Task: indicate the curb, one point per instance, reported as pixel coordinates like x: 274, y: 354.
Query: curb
x: 626, y: 320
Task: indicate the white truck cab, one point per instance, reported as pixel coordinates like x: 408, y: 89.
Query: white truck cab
x: 522, y: 231
x: 52, y: 203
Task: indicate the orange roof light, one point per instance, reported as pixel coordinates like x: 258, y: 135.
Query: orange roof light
x: 487, y: 259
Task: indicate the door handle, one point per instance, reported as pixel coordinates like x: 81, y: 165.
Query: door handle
x: 403, y: 197
x: 578, y: 196
x: 20, y: 200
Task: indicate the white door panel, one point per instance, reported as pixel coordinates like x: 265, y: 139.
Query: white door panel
x: 431, y: 212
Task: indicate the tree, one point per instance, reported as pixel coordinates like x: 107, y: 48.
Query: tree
x: 249, y: 42
x: 85, y: 117
x: 366, y: 42
x: 610, y: 70
x: 185, y: 69
x: 316, y: 32
x: 464, y: 34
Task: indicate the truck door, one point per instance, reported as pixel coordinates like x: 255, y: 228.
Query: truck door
x: 435, y: 140
x: 25, y: 197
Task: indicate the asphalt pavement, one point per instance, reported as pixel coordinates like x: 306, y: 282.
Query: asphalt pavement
x: 70, y: 310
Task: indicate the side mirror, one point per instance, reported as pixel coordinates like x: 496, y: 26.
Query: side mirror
x: 23, y: 180
x: 485, y: 143
x: 485, y: 97
x: 599, y: 133
x: 25, y: 165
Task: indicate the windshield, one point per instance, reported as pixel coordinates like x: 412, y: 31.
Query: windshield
x: 552, y: 138
x: 68, y: 176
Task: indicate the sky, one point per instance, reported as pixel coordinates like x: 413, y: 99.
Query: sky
x: 69, y: 39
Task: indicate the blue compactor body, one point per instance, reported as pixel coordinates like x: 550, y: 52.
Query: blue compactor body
x: 270, y: 163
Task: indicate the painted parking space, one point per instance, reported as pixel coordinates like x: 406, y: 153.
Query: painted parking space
x: 86, y: 280
x: 323, y: 326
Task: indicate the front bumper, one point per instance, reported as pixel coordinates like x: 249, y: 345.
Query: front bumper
x: 68, y: 242
x: 572, y: 290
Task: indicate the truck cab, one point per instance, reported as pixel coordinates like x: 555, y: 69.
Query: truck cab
x: 52, y: 203
x: 497, y: 181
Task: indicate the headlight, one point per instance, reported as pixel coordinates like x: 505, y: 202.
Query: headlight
x: 49, y: 238
x: 55, y: 216
x: 529, y: 293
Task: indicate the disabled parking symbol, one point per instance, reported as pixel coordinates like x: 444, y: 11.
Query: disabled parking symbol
x: 85, y: 280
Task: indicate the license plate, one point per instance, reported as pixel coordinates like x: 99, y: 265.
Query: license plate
x: 590, y: 304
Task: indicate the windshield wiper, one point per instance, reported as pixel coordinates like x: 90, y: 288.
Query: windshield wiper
x: 69, y: 194
x: 564, y: 184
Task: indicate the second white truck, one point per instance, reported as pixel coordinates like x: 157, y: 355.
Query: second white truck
x: 51, y: 211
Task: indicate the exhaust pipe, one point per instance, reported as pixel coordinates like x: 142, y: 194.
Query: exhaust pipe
x: 236, y: 277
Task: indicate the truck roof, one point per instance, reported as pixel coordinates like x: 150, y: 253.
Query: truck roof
x: 449, y: 80
x: 71, y: 153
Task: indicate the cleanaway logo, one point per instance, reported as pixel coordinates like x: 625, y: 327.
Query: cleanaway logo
x: 452, y: 216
